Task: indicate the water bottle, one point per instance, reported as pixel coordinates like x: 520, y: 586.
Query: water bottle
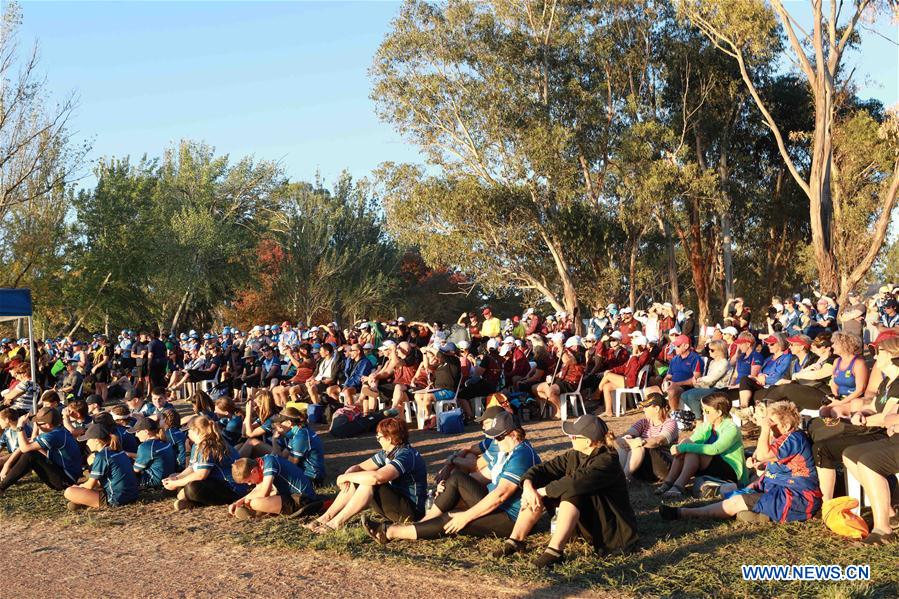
x: 429, y: 503
x: 552, y: 524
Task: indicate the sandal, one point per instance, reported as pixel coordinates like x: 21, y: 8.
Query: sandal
x: 376, y: 530
x: 510, y: 547
x: 548, y: 558
x: 876, y: 539
x: 675, y: 492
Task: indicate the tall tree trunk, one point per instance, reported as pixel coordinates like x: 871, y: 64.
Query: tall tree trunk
x: 632, y: 272
x: 91, y: 306
x: 181, y: 306
x: 672, y: 263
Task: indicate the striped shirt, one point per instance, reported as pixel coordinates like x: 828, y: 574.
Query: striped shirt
x: 644, y: 429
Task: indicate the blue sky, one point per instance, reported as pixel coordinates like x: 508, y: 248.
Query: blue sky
x: 280, y: 80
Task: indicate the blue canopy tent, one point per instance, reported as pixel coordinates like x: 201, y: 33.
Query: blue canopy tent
x: 16, y: 304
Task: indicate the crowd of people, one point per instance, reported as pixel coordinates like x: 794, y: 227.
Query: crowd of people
x: 817, y: 382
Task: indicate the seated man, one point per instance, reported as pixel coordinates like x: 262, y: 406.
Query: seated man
x: 53, y: 455
x: 357, y: 367
x: 684, y: 369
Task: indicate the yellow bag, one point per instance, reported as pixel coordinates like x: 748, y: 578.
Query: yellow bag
x: 838, y: 517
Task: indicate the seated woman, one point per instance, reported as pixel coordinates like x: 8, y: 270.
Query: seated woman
x: 369, y: 393
x: 754, y: 388
x: 207, y: 480
x: 849, y: 379
x: 155, y: 460
x: 292, y: 389
x: 714, y: 449
x: 810, y: 385
x: 624, y: 376
x: 9, y: 438
x: 586, y: 488
x: 202, y: 405
x: 110, y: 470
x: 874, y: 464
x: 715, y: 379
x: 279, y: 487
x: 258, y: 425
x: 20, y: 395
x: 787, y: 490
x: 445, y: 379
x: 229, y: 419
x: 567, y: 380
x: 393, y: 482
x: 53, y: 455
x: 479, y: 458
x: 543, y: 366
x: 643, y: 449
x: 490, y: 510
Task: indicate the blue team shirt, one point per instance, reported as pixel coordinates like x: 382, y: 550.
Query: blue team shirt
x: 305, y: 445
x: 129, y: 440
x: 774, y: 370
x: 62, y: 450
x: 745, y: 364
x: 682, y: 369
x: 511, y: 467
x: 232, y: 428
x: 412, y: 483
x: 155, y: 461
x: 178, y: 439
x: 114, y: 472
x: 9, y: 440
x: 489, y: 451
x: 218, y: 470
x: 288, y: 478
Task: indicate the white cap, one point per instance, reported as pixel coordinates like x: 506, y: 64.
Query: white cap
x: 729, y: 331
x: 574, y: 341
x: 505, y: 349
x: 368, y: 346
x: 590, y: 337
x: 509, y: 339
x: 519, y: 343
x: 364, y: 325
x: 529, y: 311
x: 463, y: 345
x: 627, y: 310
x: 493, y: 344
x: 639, y: 339
x: 401, y: 319
x: 314, y: 329
x: 668, y: 305
x: 617, y: 335
x: 257, y: 328
x: 557, y: 336
x: 806, y: 301
x: 778, y: 306
x: 387, y: 344
x: 563, y: 314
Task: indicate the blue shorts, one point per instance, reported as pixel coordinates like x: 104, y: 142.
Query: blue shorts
x: 443, y: 394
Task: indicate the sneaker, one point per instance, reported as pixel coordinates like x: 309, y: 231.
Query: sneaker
x: 510, y: 547
x: 752, y: 518
x: 182, y: 504
x: 244, y: 513
x: 548, y: 558
x: 662, y: 488
x: 376, y: 530
x: 391, y: 412
x: 669, y: 512
x: 674, y: 492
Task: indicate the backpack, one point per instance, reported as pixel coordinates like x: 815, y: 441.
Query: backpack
x: 316, y: 413
x: 450, y: 422
x: 838, y: 517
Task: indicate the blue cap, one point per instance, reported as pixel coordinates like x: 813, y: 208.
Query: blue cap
x: 226, y: 331
x: 183, y: 336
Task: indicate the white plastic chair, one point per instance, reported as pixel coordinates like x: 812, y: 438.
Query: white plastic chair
x: 639, y: 390
x: 574, y: 397
x: 478, y: 406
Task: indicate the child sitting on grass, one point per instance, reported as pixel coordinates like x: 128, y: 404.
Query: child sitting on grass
x: 110, y: 470
x: 155, y: 459
x: 280, y: 487
x: 53, y: 455
x: 229, y: 419
x: 300, y: 444
x: 9, y: 439
x: 787, y: 490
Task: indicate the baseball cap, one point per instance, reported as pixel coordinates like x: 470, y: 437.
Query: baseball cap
x: 463, y: 345
x: 557, y: 336
x: 729, y: 331
x: 448, y: 348
x: 801, y: 340
x: 574, y: 341
x: 681, y: 340
x: 486, y: 310
x: 500, y: 424
x: 368, y: 346
x: 95, y: 431
x: 387, y: 345
x: 289, y: 413
x: 94, y: 399
x: 745, y: 341
x: 884, y: 335
x: 627, y: 310
x: 46, y: 415
x: 770, y: 339
x: 590, y: 337
x: 639, y: 339
x: 401, y: 319
x: 588, y: 426
x: 509, y: 339
x: 891, y: 303
x: 505, y: 349
x: 617, y: 335
x: 492, y: 344
x: 364, y: 325
x: 653, y: 399
x: 491, y: 413
x: 142, y: 423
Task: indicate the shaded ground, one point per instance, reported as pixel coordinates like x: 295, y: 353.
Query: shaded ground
x: 204, y: 553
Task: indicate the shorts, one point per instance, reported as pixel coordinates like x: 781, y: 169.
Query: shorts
x: 720, y: 469
x: 565, y: 386
x: 195, y: 376
x: 393, y: 506
x: 322, y: 387
x: 102, y: 376
x: 291, y: 503
x: 880, y: 456
x: 443, y: 394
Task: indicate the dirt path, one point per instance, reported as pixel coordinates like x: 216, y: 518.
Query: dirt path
x: 116, y: 564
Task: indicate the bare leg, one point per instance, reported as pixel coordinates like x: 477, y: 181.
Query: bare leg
x: 722, y: 509
x: 525, y: 523
x: 693, y: 462
x: 567, y: 516
x: 827, y: 479
x: 878, y: 491
x: 356, y: 504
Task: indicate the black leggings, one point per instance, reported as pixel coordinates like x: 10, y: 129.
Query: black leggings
x: 50, y: 474
x: 392, y: 505
x: 462, y: 487
x: 805, y: 397
x: 209, y: 492
x: 655, y: 465
x: 829, y: 443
